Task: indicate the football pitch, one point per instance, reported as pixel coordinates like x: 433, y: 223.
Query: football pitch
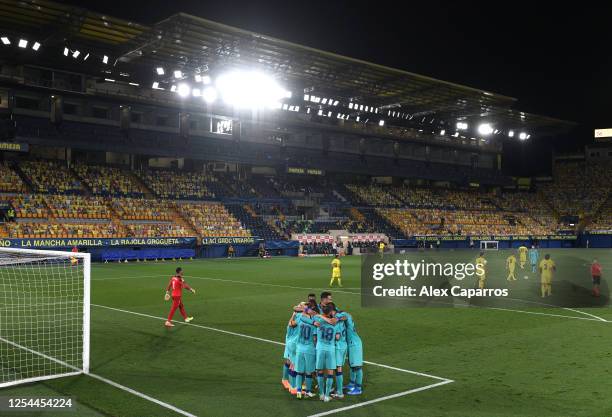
x: 425, y: 362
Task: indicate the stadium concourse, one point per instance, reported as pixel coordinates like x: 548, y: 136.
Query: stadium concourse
x: 50, y: 199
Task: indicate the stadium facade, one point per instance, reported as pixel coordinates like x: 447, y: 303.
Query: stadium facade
x: 115, y: 132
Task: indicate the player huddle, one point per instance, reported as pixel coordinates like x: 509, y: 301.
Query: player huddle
x: 319, y: 340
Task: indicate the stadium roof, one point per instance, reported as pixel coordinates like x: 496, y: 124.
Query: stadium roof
x: 193, y: 44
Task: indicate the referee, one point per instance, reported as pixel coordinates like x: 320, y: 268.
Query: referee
x: 596, y: 275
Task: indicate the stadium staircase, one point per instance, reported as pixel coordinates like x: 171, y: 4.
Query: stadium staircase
x: 183, y: 220
x: 24, y: 178
x: 256, y: 224
x: 148, y: 193
x: 339, y: 196
x: 382, y: 225
x: 87, y: 191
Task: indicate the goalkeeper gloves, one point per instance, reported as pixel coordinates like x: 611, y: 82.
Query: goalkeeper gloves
x: 167, y: 296
x: 193, y: 290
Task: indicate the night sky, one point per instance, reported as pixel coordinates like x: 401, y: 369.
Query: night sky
x: 556, y: 59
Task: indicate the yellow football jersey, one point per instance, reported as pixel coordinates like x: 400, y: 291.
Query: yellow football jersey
x: 510, y: 261
x: 335, y: 263
x: 523, y: 251
x: 547, y: 266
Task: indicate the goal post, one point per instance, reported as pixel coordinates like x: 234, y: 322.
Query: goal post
x: 489, y: 245
x: 44, y: 315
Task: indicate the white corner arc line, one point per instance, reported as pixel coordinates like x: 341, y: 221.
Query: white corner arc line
x: 387, y: 397
x: 100, y: 378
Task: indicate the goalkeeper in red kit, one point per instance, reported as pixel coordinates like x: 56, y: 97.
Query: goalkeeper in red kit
x: 176, y: 284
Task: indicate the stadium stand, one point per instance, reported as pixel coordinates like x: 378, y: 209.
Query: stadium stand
x: 171, y: 184
x: 253, y: 222
x: 50, y: 177
x: 109, y: 181
x: 142, y: 209
x: 212, y: 219
x: 80, y: 207
x: 10, y: 182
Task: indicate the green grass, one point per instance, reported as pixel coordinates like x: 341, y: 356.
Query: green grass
x: 504, y: 363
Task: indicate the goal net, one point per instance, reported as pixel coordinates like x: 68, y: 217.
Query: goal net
x: 489, y: 245
x: 44, y: 315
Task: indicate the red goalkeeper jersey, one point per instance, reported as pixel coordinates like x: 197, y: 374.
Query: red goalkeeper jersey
x: 176, y: 285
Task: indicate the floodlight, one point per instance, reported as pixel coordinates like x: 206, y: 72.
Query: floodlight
x: 105, y: 59
x: 134, y: 84
x: 485, y: 129
x: 86, y: 56
x: 306, y: 97
x: 209, y: 94
x: 76, y: 54
x: 36, y: 46
x: 462, y: 126
x: 442, y: 132
x: 183, y: 90
x: 173, y: 88
x: 249, y: 89
x: 155, y: 85
x: 160, y: 71
x: 511, y: 134
x: 198, y: 78
x: 110, y: 80
x: 5, y: 40
x: 178, y: 74
x: 381, y: 123
x: 22, y: 43
x: 522, y: 136
x: 206, y: 79
x: 66, y: 51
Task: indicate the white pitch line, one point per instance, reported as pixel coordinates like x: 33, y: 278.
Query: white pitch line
x: 101, y: 378
x: 388, y: 397
x: 585, y: 313
x: 595, y: 318
x: 190, y: 324
x: 260, y: 339
x: 442, y: 380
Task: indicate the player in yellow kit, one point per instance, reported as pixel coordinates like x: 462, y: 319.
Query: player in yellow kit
x: 381, y: 249
x: 547, y: 270
x: 336, y: 272
x: 522, y: 250
x: 482, y: 278
x: 511, y: 266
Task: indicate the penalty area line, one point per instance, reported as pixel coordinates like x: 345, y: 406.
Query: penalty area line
x: 443, y: 381
x: 385, y: 398
x: 78, y: 371
x: 246, y: 336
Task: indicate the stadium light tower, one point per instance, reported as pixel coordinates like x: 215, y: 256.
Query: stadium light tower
x: 485, y: 129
